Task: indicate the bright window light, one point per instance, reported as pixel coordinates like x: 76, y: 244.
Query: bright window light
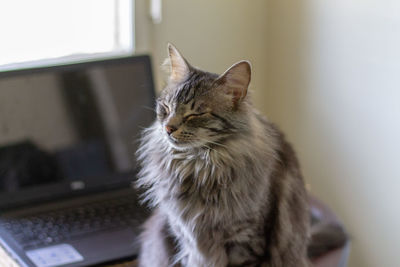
x: 51, y: 29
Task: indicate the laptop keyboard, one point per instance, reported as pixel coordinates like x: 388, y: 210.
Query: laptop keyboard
x: 57, y: 226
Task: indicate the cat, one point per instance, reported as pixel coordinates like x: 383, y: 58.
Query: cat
x: 224, y: 183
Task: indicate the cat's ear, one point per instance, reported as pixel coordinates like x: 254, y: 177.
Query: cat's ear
x: 179, y: 67
x: 235, y: 81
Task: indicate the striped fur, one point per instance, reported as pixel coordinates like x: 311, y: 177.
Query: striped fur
x: 224, y: 184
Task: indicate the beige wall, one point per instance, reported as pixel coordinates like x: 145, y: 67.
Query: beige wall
x: 350, y: 119
x: 328, y: 72
x: 341, y: 109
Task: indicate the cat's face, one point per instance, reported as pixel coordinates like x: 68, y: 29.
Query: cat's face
x: 195, y: 120
x: 198, y: 109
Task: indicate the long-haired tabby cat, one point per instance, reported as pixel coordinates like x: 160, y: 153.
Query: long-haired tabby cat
x: 225, y: 185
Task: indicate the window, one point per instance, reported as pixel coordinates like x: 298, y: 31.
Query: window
x: 63, y: 30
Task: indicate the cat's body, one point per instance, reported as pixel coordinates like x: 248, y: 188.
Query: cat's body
x: 226, y: 186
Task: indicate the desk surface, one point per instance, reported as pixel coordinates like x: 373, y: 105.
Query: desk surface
x: 6, y: 260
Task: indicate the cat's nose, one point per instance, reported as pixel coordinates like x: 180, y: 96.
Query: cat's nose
x: 170, y: 129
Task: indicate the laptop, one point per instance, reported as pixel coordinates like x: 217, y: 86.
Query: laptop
x: 68, y: 136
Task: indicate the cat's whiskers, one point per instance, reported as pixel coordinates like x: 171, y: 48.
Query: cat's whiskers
x: 142, y: 127
x: 213, y: 142
x: 149, y: 108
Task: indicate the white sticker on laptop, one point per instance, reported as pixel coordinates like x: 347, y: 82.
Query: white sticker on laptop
x: 54, y: 256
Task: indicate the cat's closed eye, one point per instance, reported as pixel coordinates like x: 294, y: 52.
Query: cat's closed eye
x: 192, y: 116
x: 162, y: 111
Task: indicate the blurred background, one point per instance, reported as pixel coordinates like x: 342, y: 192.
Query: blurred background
x: 327, y: 72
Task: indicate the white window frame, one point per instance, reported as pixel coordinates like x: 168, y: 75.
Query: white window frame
x: 128, y: 44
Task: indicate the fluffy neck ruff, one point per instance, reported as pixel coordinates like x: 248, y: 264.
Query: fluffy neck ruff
x: 169, y: 174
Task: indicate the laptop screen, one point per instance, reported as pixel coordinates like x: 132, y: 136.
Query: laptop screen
x: 72, y: 128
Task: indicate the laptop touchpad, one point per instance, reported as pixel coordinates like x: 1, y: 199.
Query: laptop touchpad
x: 54, y: 255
